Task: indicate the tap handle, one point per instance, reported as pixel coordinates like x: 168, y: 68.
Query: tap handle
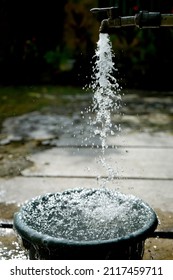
x: 113, y: 12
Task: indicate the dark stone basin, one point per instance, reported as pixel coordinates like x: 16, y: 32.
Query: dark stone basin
x: 85, y: 224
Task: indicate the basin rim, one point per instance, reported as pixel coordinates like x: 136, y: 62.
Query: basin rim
x: 33, y: 236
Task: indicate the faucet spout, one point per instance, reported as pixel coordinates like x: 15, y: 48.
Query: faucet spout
x: 104, y: 26
x: 109, y: 25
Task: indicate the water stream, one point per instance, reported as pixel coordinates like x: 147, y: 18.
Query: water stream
x: 106, y: 99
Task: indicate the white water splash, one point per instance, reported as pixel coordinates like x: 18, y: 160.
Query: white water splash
x: 106, y: 98
x: 86, y: 214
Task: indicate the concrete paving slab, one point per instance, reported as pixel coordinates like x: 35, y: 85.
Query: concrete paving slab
x: 157, y: 193
x: 142, y: 139
x: 125, y: 138
x: 133, y: 162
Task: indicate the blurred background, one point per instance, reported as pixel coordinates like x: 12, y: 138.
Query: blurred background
x: 53, y: 42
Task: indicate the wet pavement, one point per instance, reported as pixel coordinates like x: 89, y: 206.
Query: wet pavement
x: 50, y: 150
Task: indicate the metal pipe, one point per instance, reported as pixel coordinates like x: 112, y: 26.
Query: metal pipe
x: 6, y: 224
x: 162, y: 234
x: 143, y: 19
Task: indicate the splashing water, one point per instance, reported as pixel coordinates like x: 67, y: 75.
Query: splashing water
x: 86, y: 214
x: 106, y: 98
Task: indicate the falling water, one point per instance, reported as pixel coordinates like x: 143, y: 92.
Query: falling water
x: 106, y: 99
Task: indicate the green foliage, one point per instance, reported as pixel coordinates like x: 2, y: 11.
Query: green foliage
x: 22, y: 99
x: 59, y: 59
x: 80, y: 28
x: 40, y: 44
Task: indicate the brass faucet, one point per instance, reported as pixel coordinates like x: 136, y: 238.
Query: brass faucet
x: 143, y: 19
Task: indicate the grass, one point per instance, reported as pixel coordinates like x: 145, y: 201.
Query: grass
x: 16, y: 101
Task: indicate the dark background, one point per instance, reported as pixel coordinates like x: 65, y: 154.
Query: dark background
x: 53, y: 42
